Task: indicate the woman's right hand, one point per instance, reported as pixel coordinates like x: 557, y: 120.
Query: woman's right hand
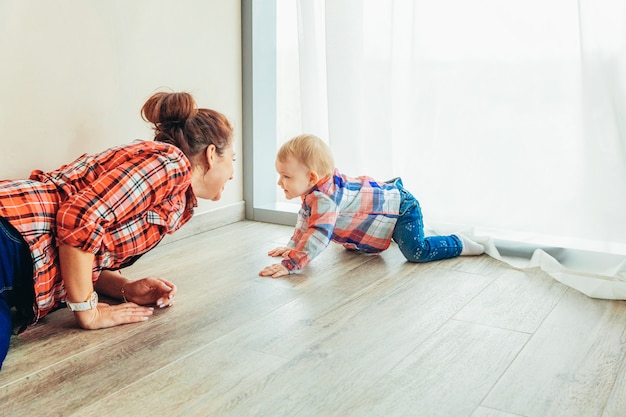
x: 106, y: 315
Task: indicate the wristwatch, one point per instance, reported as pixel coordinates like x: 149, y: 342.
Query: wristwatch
x: 90, y: 304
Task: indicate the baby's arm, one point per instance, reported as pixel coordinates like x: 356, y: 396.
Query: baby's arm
x: 312, y: 234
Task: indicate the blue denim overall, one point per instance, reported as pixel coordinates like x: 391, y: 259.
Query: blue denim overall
x: 409, y: 233
x: 16, y: 272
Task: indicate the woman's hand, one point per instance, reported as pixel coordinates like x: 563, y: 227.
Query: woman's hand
x: 106, y: 315
x: 274, y: 271
x: 150, y: 291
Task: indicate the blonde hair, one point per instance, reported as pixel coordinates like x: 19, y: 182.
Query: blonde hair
x: 310, y: 151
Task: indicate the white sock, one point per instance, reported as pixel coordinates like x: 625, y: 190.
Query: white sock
x: 470, y: 247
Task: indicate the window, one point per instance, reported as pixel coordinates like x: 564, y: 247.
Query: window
x: 261, y: 58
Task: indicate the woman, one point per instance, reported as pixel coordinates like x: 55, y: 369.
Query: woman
x: 64, y: 235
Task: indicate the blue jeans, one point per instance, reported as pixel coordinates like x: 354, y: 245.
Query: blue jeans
x: 15, y: 269
x: 409, y: 234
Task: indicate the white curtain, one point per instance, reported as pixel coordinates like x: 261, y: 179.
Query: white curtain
x: 505, y: 118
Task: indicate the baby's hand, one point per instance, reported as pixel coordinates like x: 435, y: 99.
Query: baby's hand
x: 274, y: 271
x: 279, y: 251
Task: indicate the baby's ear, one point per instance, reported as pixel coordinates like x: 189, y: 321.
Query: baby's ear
x: 313, y: 177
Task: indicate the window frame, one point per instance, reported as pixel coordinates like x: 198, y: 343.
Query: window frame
x: 259, y: 114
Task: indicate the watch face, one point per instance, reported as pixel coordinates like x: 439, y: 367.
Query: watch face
x: 85, y: 305
x: 93, y: 301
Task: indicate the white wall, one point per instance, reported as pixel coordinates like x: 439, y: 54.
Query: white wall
x: 75, y: 73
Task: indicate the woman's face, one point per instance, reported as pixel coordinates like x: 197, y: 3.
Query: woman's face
x: 210, y: 184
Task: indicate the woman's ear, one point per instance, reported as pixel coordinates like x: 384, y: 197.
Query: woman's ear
x: 211, y: 154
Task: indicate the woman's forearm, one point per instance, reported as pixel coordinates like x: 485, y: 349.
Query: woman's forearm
x: 76, y: 267
x: 110, y: 283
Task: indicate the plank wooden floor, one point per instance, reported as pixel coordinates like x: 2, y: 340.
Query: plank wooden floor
x: 354, y: 336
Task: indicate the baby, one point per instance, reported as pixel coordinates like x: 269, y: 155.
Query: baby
x: 359, y: 213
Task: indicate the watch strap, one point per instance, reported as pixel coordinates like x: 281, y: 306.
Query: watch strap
x: 91, y: 303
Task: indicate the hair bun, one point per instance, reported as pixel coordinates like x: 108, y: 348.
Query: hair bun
x: 164, y: 109
x: 177, y: 121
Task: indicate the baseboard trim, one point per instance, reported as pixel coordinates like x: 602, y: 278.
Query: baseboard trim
x: 208, y: 220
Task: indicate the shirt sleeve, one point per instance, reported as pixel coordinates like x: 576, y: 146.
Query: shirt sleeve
x: 314, y: 230
x: 124, y: 190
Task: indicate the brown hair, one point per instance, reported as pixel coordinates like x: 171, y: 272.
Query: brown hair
x: 310, y: 151
x: 179, y: 122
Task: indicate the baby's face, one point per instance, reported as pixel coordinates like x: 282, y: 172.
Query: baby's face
x: 294, y: 178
